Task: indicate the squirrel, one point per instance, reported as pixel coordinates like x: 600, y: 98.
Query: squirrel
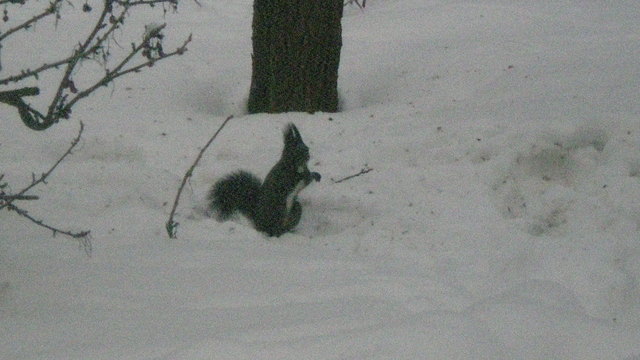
x: 272, y: 205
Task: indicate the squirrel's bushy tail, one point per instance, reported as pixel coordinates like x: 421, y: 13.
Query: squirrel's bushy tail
x: 238, y: 191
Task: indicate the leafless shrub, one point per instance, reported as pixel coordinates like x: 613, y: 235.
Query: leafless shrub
x: 96, y: 46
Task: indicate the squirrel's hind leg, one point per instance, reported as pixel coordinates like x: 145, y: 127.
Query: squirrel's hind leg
x: 293, y: 218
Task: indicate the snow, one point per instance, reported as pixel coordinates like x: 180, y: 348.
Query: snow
x: 501, y: 219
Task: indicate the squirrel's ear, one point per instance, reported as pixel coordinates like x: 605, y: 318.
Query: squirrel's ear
x: 296, y: 133
x: 292, y: 135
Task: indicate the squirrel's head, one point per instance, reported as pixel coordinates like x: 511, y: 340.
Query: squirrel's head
x: 295, y: 149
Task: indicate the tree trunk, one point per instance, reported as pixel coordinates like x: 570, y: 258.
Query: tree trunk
x: 296, y: 53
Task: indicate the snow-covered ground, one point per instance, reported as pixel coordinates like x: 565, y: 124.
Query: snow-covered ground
x: 501, y: 219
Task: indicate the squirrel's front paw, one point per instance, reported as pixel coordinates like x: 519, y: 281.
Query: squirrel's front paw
x: 316, y: 176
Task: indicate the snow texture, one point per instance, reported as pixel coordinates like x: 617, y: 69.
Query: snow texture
x: 501, y: 219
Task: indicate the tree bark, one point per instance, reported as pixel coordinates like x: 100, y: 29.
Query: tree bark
x: 296, y: 54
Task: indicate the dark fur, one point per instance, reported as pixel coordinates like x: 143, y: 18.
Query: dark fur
x: 272, y: 205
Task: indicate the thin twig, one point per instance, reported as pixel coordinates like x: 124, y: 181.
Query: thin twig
x: 35, y: 181
x: 145, y: 2
x: 49, y: 11
x: 118, y: 72
x: 82, y: 236
x: 364, y: 170
x: 171, y: 225
x: 65, y: 95
x: 32, y: 73
x: 78, y: 55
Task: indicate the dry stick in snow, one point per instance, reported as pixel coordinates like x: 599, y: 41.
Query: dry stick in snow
x: 364, y: 170
x: 171, y: 225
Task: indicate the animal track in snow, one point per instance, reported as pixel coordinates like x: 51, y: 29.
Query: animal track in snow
x: 540, y: 183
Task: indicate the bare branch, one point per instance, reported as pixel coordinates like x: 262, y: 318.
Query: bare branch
x: 10, y: 95
x: 82, y: 236
x: 118, y: 72
x: 30, y: 117
x: 6, y: 201
x: 21, y: 2
x: 94, y: 46
x: 171, y: 225
x: 145, y: 2
x: 52, y: 9
x: 42, y: 179
x: 33, y: 73
x: 79, y: 53
x: 7, y: 198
